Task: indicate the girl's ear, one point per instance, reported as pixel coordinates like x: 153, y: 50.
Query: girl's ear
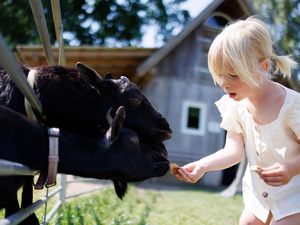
x: 265, y: 65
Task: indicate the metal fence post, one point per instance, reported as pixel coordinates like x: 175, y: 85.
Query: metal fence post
x: 63, y: 183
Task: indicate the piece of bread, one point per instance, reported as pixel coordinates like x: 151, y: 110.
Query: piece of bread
x: 174, y: 168
x: 257, y: 169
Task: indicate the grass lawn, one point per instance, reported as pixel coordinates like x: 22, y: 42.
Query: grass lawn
x: 186, y: 206
x: 189, y: 205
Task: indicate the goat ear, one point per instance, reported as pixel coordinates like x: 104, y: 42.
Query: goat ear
x: 120, y: 188
x: 117, y: 122
x: 89, y: 74
x: 108, y: 76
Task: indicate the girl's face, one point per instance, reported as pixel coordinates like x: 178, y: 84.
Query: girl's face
x: 235, y: 87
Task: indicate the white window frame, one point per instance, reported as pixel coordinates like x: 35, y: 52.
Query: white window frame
x: 202, y: 119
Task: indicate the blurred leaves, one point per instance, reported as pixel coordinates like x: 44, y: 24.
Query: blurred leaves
x: 94, y: 22
x: 283, y: 17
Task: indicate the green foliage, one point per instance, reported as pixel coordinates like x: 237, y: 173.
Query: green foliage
x: 284, y: 19
x: 149, y: 207
x: 183, y: 206
x: 93, y: 22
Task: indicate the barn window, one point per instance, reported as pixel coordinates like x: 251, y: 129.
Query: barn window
x: 193, y: 118
x: 217, y: 20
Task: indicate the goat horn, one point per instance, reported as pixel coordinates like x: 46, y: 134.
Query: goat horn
x: 108, y: 117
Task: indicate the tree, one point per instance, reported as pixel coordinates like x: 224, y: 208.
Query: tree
x: 284, y: 19
x: 94, y: 22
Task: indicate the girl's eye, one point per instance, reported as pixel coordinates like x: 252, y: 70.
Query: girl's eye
x: 233, y: 76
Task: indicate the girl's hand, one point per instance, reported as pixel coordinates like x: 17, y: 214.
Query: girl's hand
x: 278, y: 174
x: 191, y: 172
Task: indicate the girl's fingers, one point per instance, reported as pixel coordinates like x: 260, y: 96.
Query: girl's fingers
x: 274, y: 166
x: 270, y: 173
x: 178, y: 177
x: 188, y: 167
x: 275, y: 183
x: 273, y: 179
x: 185, y: 176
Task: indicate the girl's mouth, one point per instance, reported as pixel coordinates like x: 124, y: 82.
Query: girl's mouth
x: 232, y: 95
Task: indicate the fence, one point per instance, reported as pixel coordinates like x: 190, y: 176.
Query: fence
x: 8, y: 168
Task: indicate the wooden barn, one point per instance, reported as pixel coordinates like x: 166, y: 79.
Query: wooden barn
x: 175, y: 78
x: 182, y: 87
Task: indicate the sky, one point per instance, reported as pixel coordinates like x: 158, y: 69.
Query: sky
x: 193, y: 6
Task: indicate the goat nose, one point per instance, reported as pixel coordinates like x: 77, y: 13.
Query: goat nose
x: 164, y: 125
x: 160, y: 158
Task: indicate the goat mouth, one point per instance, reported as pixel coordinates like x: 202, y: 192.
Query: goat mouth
x: 165, y: 162
x: 164, y: 135
x: 161, y: 168
x: 164, y: 165
x: 167, y: 135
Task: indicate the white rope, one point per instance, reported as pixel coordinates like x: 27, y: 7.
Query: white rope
x: 8, y: 61
x: 28, y: 107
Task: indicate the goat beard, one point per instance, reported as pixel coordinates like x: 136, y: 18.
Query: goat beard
x: 120, y: 188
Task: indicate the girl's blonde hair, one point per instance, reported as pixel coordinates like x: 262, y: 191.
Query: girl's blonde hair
x: 240, y: 47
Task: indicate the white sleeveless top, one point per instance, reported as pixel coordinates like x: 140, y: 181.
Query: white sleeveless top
x: 277, y: 141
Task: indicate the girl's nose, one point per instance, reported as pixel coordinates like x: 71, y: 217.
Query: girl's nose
x: 223, y: 83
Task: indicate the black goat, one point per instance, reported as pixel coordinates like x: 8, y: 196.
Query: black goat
x: 117, y: 155
x: 78, y: 99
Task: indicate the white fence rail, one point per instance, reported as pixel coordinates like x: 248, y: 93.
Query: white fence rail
x: 24, y: 213
x: 8, y: 168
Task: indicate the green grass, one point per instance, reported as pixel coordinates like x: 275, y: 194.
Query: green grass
x: 184, y: 206
x: 149, y: 207
x: 37, y: 194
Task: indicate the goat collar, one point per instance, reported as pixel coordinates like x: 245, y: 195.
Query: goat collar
x: 49, y: 179
x: 53, y: 157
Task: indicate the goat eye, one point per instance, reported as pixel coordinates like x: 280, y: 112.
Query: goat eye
x: 135, y: 101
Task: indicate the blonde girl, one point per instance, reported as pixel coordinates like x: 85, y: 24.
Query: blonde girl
x: 262, y: 119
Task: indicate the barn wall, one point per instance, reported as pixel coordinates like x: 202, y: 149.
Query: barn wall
x: 183, y: 76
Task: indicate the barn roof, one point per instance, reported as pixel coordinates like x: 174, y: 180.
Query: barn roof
x: 118, y: 61
x: 207, y: 7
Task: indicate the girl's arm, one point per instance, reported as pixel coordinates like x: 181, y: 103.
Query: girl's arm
x: 231, y: 154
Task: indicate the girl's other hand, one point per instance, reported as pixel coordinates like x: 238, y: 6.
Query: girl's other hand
x: 278, y: 174
x: 191, y: 172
